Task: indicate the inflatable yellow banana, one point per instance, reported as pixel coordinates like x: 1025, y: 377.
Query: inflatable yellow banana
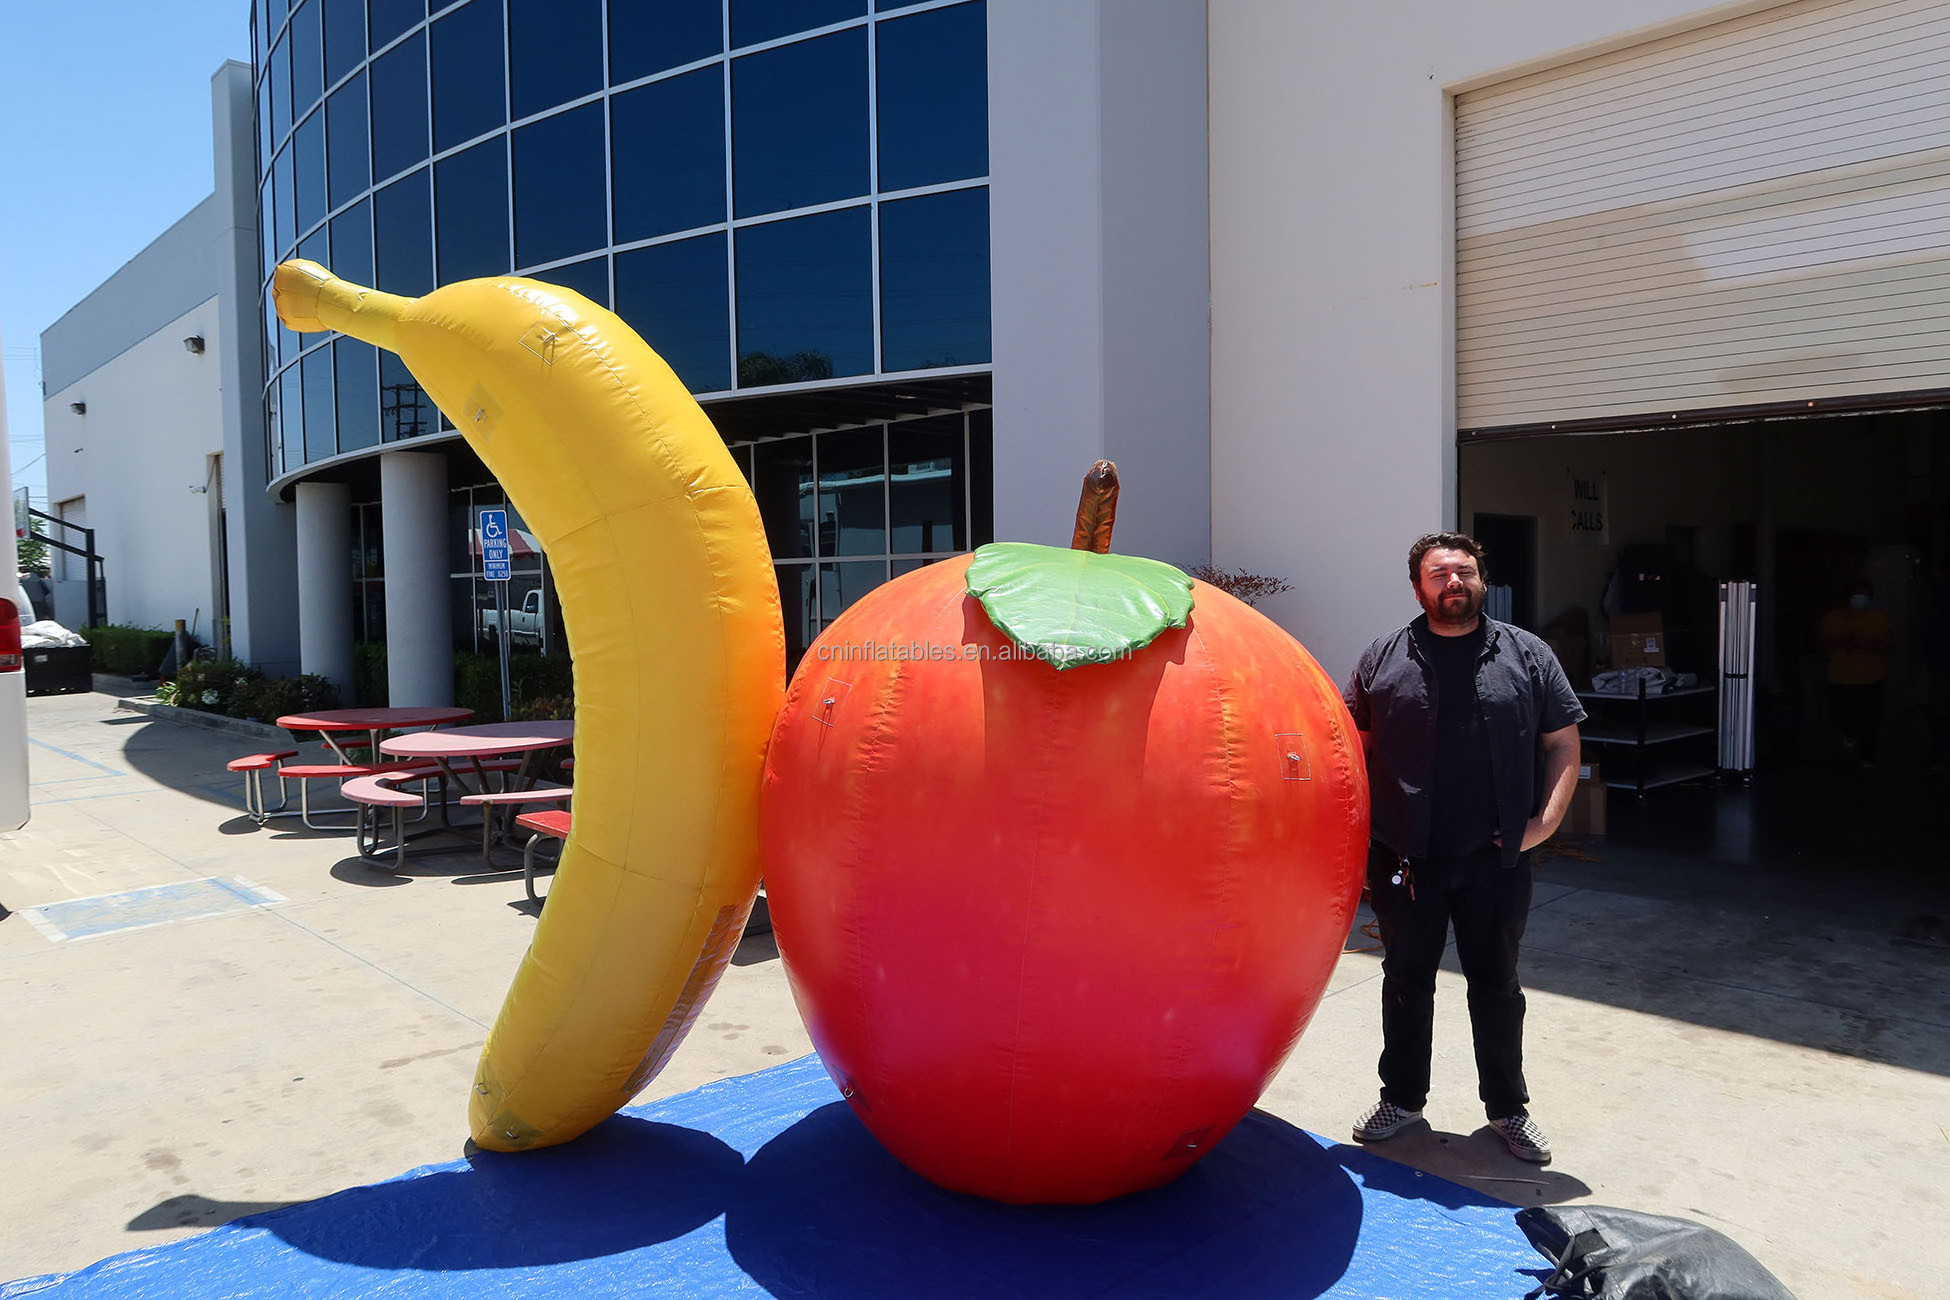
x: 672, y: 611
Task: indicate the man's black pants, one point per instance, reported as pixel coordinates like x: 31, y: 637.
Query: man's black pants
x: 1489, y: 905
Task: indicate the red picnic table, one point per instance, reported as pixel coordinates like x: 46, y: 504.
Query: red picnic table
x: 462, y: 753
x: 331, y: 725
x: 328, y: 723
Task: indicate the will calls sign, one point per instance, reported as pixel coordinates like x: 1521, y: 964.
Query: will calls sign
x: 1587, y: 513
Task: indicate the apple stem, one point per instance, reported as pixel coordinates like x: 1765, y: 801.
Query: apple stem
x: 1096, y: 509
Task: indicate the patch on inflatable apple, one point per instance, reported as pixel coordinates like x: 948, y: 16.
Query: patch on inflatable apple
x: 1061, y: 848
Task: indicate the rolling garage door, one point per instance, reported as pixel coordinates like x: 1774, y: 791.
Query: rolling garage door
x: 1747, y: 214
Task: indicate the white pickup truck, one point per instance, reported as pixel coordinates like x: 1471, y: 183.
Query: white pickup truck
x: 524, y: 622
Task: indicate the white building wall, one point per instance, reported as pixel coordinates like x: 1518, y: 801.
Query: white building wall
x: 1099, y: 284
x: 1333, y: 306
x: 140, y: 455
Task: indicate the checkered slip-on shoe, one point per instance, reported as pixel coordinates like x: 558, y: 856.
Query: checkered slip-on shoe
x: 1382, y: 1121
x: 1525, y: 1140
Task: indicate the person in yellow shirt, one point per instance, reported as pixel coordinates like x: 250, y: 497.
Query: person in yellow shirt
x: 1856, y: 638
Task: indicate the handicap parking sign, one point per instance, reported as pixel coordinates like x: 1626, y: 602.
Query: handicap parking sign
x: 494, y: 545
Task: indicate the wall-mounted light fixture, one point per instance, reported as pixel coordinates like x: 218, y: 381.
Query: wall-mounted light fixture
x: 194, y: 343
x: 79, y: 408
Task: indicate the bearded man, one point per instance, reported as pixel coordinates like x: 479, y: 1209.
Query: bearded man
x: 1470, y: 730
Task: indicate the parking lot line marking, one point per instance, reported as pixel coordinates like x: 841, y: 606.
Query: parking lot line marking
x: 146, y: 907
x: 70, y: 754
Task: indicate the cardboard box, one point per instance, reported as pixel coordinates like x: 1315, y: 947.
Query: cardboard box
x: 1638, y: 641
x: 1586, y: 815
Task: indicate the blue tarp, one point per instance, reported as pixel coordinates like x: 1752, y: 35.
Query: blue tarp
x: 767, y: 1185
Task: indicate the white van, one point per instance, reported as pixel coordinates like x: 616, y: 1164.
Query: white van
x: 13, y: 677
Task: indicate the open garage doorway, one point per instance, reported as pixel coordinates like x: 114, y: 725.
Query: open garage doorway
x: 1637, y: 530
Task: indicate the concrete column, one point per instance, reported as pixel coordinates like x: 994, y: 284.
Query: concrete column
x: 1099, y: 283
x: 419, y: 636
x: 325, y: 583
x: 263, y: 599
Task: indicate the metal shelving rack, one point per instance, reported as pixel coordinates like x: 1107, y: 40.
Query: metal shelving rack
x: 1646, y: 737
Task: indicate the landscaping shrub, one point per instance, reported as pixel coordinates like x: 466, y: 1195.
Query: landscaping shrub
x: 539, y: 686
x: 369, y: 687
x: 240, y: 691
x: 126, y: 651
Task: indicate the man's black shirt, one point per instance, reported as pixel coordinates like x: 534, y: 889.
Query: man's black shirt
x: 1462, y: 816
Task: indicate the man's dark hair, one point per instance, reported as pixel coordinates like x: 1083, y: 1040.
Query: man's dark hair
x: 1444, y: 542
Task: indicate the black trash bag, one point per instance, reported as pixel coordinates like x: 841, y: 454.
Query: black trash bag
x: 1607, y: 1254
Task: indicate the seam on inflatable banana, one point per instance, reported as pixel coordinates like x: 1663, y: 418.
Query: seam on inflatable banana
x: 609, y: 459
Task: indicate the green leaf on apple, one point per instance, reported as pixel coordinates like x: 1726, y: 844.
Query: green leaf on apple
x: 1071, y: 607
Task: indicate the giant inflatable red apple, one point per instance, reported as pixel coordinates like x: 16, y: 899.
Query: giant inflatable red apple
x: 1053, y: 929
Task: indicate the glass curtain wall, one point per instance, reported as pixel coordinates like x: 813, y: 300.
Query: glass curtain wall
x: 848, y: 509
x: 773, y: 192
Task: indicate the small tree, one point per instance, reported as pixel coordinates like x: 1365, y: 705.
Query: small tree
x: 1249, y: 587
x: 31, y: 553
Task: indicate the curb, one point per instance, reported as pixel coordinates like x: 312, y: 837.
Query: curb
x: 198, y: 718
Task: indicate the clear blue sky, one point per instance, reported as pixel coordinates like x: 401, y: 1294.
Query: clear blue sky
x: 104, y: 142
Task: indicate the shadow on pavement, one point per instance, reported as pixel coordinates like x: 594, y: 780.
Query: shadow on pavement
x: 1478, y: 1160
x: 195, y: 1211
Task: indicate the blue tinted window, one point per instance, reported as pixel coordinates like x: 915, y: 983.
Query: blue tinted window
x: 287, y: 212
x: 782, y: 480
x: 555, y: 52
x: 981, y: 477
x: 403, y: 237
x: 932, y: 81
x: 799, y: 124
x: 319, y: 441
x: 675, y: 296
x: 559, y: 199
x: 399, y: 108
x: 647, y: 38
x: 469, y: 77
x: 267, y: 224
x: 926, y: 469
x: 804, y: 299
x: 268, y: 334
x: 356, y: 368
x: 280, y: 90
x: 345, y: 37
x: 842, y: 584
x: 668, y: 141
x: 798, y: 601
x: 307, y: 59
x: 753, y: 21
x: 405, y: 410
x: 352, y: 244
x: 589, y: 278
x: 264, y: 140
x: 291, y: 417
x: 345, y: 123
x: 852, y: 493
x: 283, y: 343
x: 470, y: 211
x: 388, y: 18
x: 260, y: 29
x: 308, y: 157
x: 934, y: 281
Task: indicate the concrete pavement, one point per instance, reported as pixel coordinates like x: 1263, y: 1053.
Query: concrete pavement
x: 312, y: 1023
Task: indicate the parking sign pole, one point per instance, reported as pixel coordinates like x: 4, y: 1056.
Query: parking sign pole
x: 495, y: 567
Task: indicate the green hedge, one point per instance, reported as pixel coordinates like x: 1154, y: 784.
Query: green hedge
x: 241, y: 691
x: 539, y: 686
x: 124, y: 650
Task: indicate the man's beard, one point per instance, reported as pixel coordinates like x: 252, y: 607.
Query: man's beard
x: 1468, y: 606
